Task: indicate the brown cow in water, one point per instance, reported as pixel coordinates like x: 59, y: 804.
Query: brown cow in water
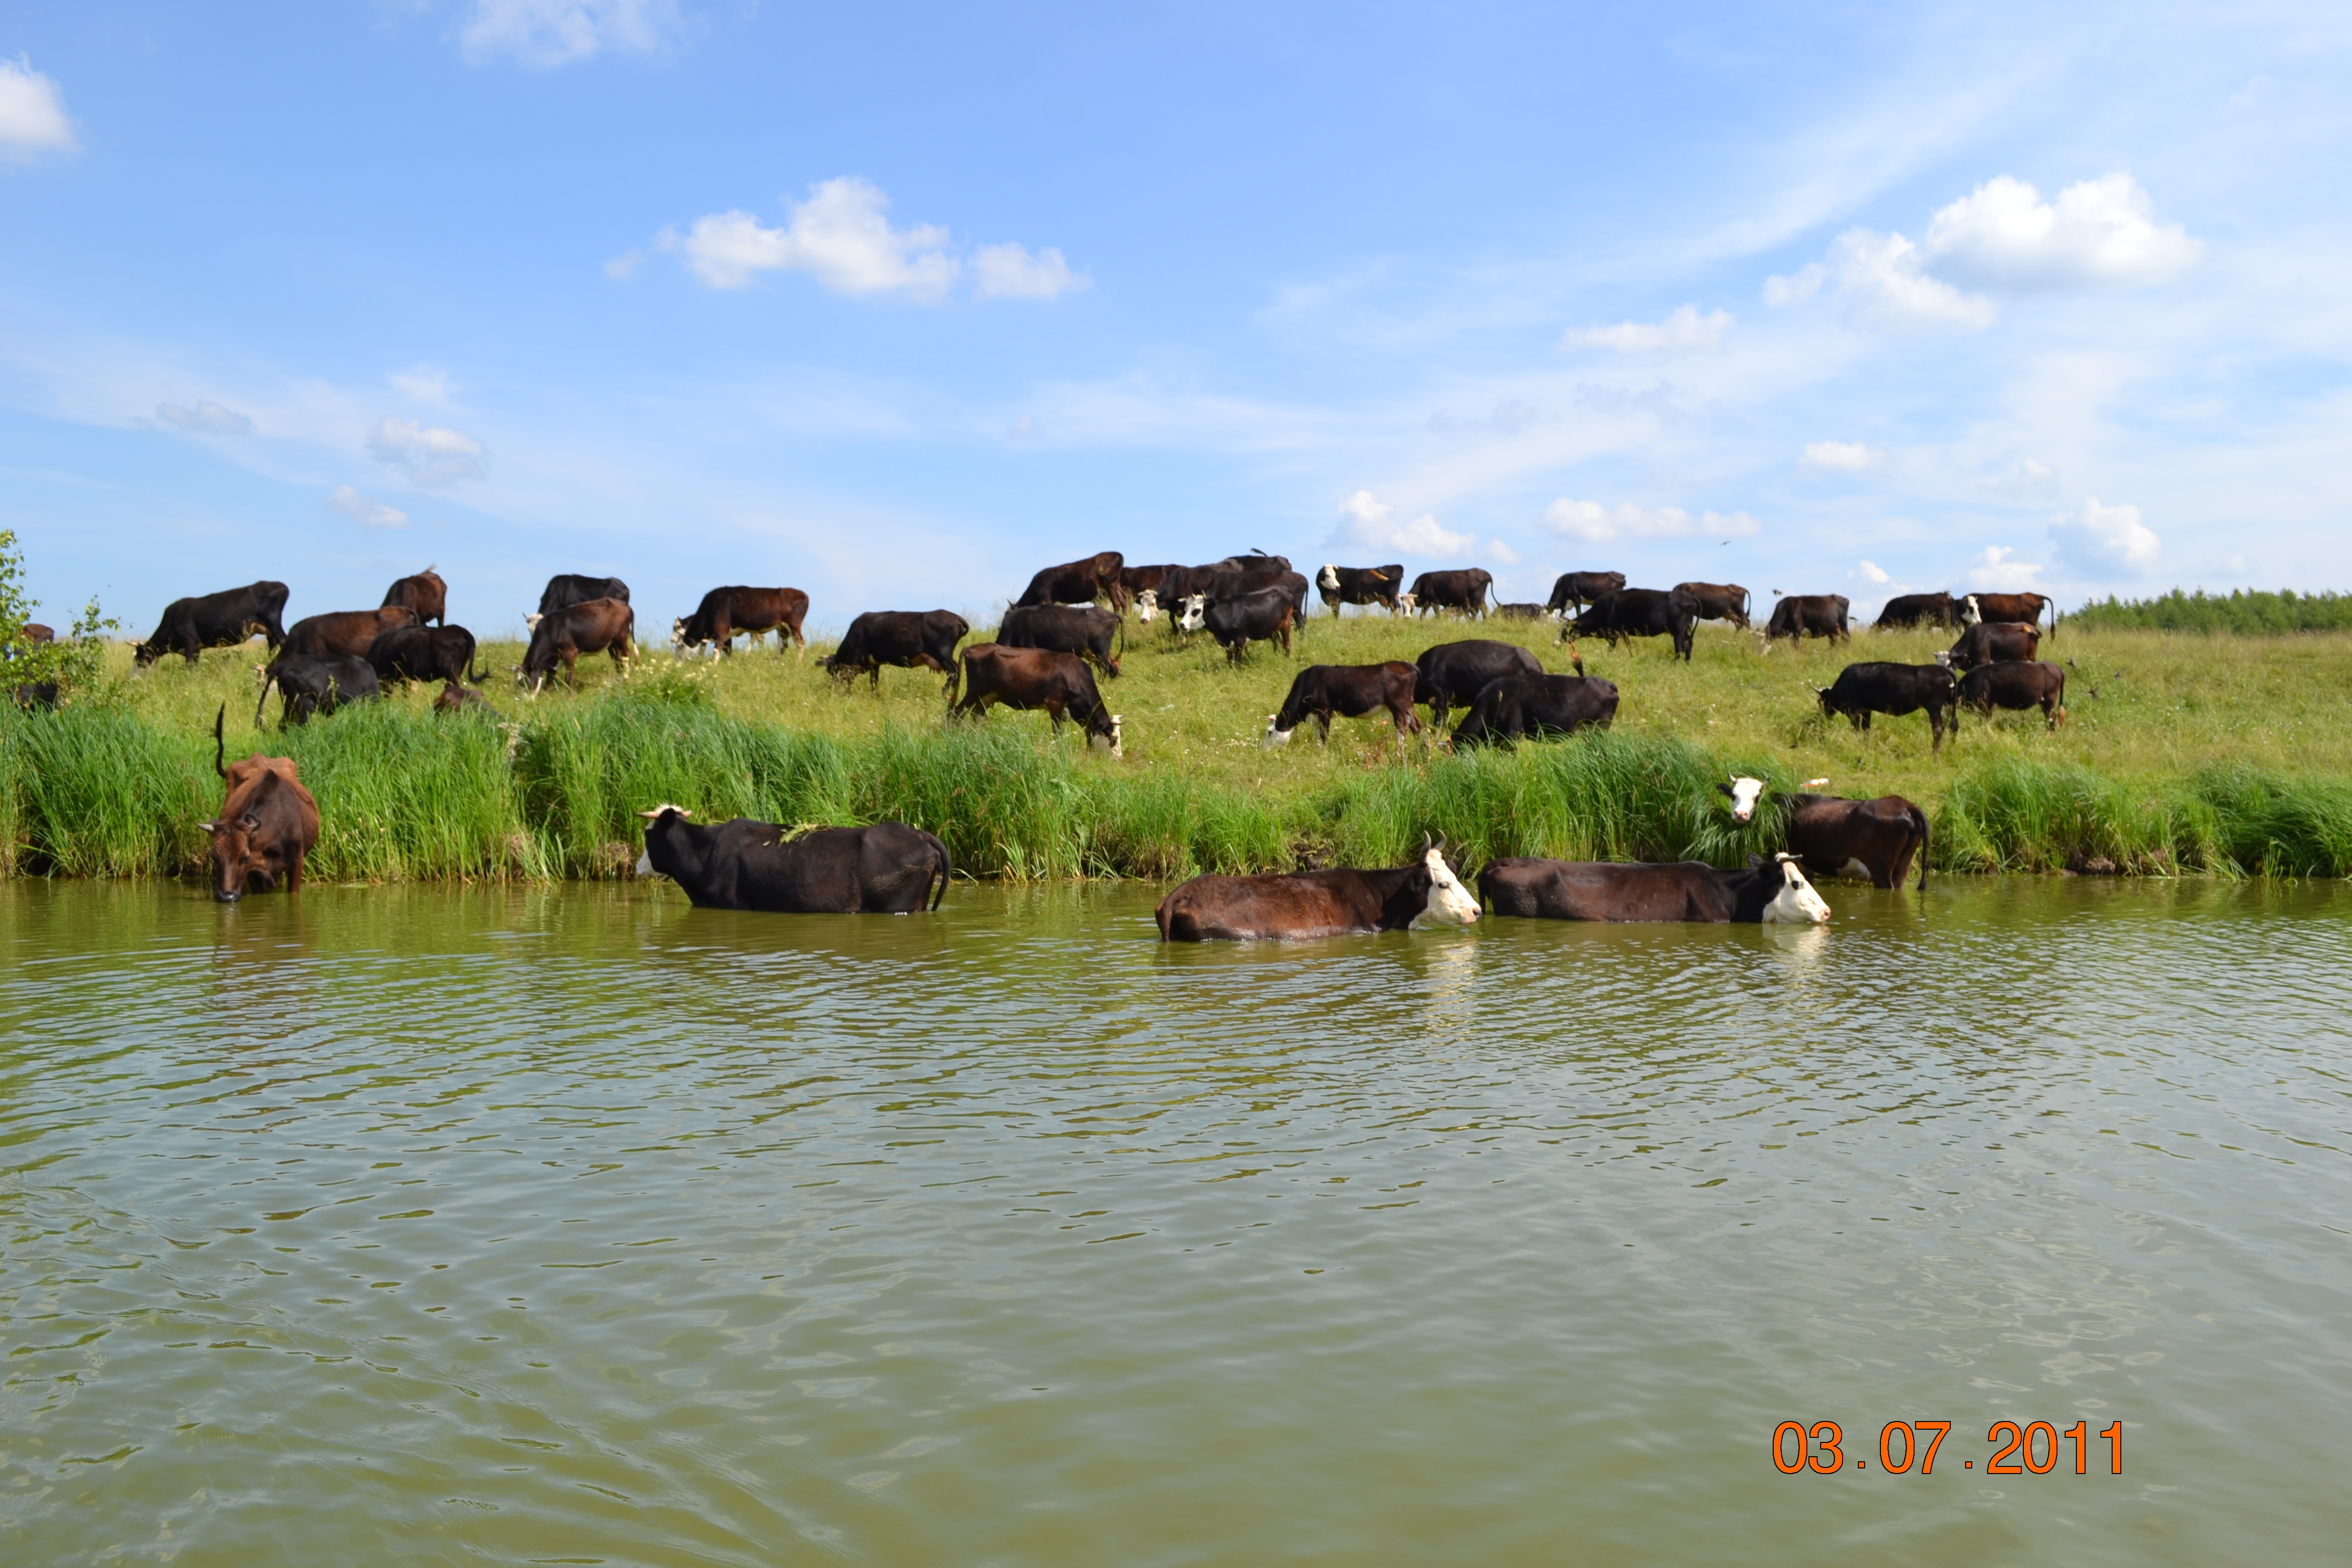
x: 1303, y: 905
x: 597, y: 625
x: 726, y: 614
x: 266, y: 825
x: 426, y: 594
x: 1032, y: 678
x: 346, y: 632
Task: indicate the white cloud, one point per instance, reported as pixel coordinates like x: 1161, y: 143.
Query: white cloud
x: 1872, y: 572
x: 1996, y: 569
x: 840, y: 236
x: 2003, y: 234
x: 32, y: 113
x: 2103, y: 539
x: 206, y: 418
x: 1008, y: 271
x: 1502, y: 553
x: 1681, y: 331
x: 369, y: 514
x: 425, y: 382
x: 427, y: 454
x: 1367, y: 522
x: 1882, y: 284
x: 548, y: 33
x: 2028, y: 478
x: 1845, y: 457
x: 1597, y: 524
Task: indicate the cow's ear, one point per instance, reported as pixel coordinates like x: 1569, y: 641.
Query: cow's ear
x: 1755, y: 862
x: 1725, y: 790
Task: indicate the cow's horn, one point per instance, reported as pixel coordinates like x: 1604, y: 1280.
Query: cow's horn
x: 665, y: 805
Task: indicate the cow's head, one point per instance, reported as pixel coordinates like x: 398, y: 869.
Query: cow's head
x: 1275, y: 734
x: 1969, y: 614
x: 1328, y: 577
x: 1450, y: 903
x: 1744, y: 792
x: 240, y: 858
x: 1408, y: 603
x: 677, y: 633
x: 1944, y: 657
x: 1796, y: 903
x: 1147, y: 605
x: 645, y: 867
x: 1108, y: 740
x: 1196, y: 610
x: 531, y: 623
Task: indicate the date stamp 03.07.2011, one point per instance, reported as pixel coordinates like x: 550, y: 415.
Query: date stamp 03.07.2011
x: 1910, y: 1447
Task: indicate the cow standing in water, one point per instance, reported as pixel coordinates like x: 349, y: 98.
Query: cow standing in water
x: 1874, y: 840
x: 888, y: 868
x: 266, y: 827
x: 1307, y: 904
x: 1537, y: 888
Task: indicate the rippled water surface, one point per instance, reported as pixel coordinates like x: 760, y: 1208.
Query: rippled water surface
x: 453, y: 1227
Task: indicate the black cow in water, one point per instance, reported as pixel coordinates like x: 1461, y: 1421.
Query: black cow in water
x: 1350, y: 690
x: 1639, y: 613
x: 2011, y: 684
x: 1360, y: 586
x: 1087, y: 630
x: 426, y: 594
x: 566, y: 589
x: 1513, y: 706
x: 1801, y: 616
x: 1991, y: 642
x: 1906, y: 610
x: 1574, y: 590
x: 1894, y: 689
x: 1537, y: 889
x: 1465, y: 590
x: 224, y: 619
x: 311, y: 683
x: 888, y: 868
x: 1303, y: 905
x: 1872, y: 839
x: 1455, y: 672
x: 1097, y: 576
x: 910, y: 639
x: 425, y: 653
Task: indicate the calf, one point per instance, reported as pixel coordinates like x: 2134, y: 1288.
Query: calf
x: 423, y: 653
x: 1303, y: 905
x: 456, y: 699
x: 1801, y: 616
x: 1085, y: 630
x: 566, y: 589
x: 1894, y: 689
x: 726, y: 614
x: 1719, y: 601
x: 2026, y: 607
x: 265, y: 825
x: 1639, y: 613
x: 1574, y: 590
x: 594, y: 625
x: 1032, y: 678
x: 1872, y: 839
x: 1342, y: 585
x: 1079, y: 582
x: 426, y: 594
x: 888, y: 868
x: 224, y: 619
x: 910, y: 639
x: 1907, y: 610
x: 1513, y: 706
x: 1260, y: 614
x: 1465, y: 590
x: 1350, y: 690
x: 1535, y: 889
x: 1991, y: 642
x: 2011, y: 684
x: 346, y: 633
x: 1455, y: 672
x: 311, y: 683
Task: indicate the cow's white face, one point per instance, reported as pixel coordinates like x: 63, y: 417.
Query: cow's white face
x: 1328, y: 577
x: 1971, y: 615
x: 1408, y: 603
x: 1796, y: 903
x: 1274, y: 737
x: 531, y: 623
x: 1147, y: 605
x: 1943, y: 659
x: 1110, y: 742
x: 1450, y: 903
x: 1745, y: 794
x: 1196, y: 607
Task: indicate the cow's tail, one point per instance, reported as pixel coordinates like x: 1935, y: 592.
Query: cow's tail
x: 219, y: 754
x: 1919, y: 821
x: 945, y: 871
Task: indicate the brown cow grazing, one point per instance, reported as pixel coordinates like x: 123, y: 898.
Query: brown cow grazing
x: 726, y: 614
x: 2011, y: 684
x: 346, y: 632
x: 1871, y: 840
x: 888, y: 868
x: 2026, y: 607
x: 1719, y: 601
x: 1033, y: 677
x: 1906, y: 610
x: 426, y: 594
x: 1303, y: 905
x: 598, y: 625
x: 266, y: 825
x: 1535, y: 889
x: 1991, y: 642
x: 910, y: 639
x: 1079, y: 582
x: 36, y: 633
x: 1350, y: 690
x: 1801, y: 616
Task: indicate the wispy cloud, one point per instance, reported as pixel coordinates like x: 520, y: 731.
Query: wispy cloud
x: 429, y: 455
x: 366, y: 513
x: 206, y: 418
x: 1597, y: 524
x: 1369, y: 523
x: 1683, y: 330
x: 544, y: 34
x: 32, y: 114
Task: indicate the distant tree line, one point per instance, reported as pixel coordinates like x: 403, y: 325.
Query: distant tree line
x: 2245, y: 611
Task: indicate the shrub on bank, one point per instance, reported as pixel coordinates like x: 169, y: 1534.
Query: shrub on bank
x: 2243, y: 612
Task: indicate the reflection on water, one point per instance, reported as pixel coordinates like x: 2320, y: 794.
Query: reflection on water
x: 575, y: 1225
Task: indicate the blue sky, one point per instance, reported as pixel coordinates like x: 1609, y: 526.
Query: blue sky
x: 897, y: 303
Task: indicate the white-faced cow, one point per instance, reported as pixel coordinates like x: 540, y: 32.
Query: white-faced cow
x: 1342, y: 585
x: 1513, y: 707
x: 1638, y: 613
x: 594, y: 625
x: 1872, y: 840
x: 1801, y: 616
x: 1455, y: 672
x: 2011, y: 684
x: 2026, y: 607
x: 1087, y: 630
x: 1237, y: 620
x: 888, y: 868
x: 265, y: 825
x: 1535, y: 889
x: 726, y: 614
x: 426, y: 594
x: 1301, y: 905
x: 908, y: 639
x: 1991, y: 642
x: 1574, y: 590
x: 1033, y: 677
x: 1350, y: 690
x: 189, y: 626
x: 1719, y: 601
x: 1894, y: 689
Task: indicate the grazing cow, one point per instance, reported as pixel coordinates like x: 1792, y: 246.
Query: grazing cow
x: 726, y: 614
x: 1138, y: 581
x: 1991, y: 642
x: 1871, y: 840
x: 592, y: 626
x: 566, y: 589
x: 266, y: 824
x: 1303, y: 905
x: 1465, y: 590
x: 1906, y: 610
x: 1574, y: 590
x: 426, y: 594
x: 423, y: 653
x: 188, y: 627
x: 1537, y: 889
x: 1085, y: 630
x: 1719, y: 601
x: 888, y: 868
x: 2026, y: 607
x: 1511, y: 706
x: 346, y: 633
x: 910, y: 639
x: 456, y: 699
x: 1455, y: 672
x: 1033, y: 677
x: 1255, y: 561
x: 1639, y: 613
x: 1801, y: 616
x: 40, y: 694
x: 34, y: 633
x: 1079, y: 582
x: 1894, y: 689
x: 317, y: 683
x: 1350, y: 690
x: 2011, y: 684
x: 1360, y: 586
x: 1259, y: 615
x: 1526, y: 611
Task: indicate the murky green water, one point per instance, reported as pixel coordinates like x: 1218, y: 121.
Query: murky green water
x: 393, y: 1226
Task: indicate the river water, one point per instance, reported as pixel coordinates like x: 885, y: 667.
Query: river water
x: 576, y: 1225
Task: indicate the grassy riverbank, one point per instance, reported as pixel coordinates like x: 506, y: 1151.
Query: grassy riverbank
x: 2184, y: 753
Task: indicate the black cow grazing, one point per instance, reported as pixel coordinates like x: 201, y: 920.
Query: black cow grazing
x: 1350, y: 690
x: 910, y: 639
x: 1085, y: 630
x: 1513, y: 706
x: 456, y: 699
x: 1259, y: 615
x: 350, y: 633
x: 1535, y: 889
x: 566, y: 589
x: 1991, y: 642
x: 1872, y: 839
x: 1033, y: 677
x: 1639, y: 613
x: 426, y: 594
x: 2009, y: 684
x: 1465, y: 590
x: 1303, y: 905
x: 1255, y: 561
x: 425, y: 653
x: 1574, y: 590
x: 1802, y: 616
x: 888, y: 868
x: 2026, y: 607
x: 592, y: 626
x: 42, y: 695
x: 1907, y: 610
x: 726, y: 614
x: 189, y: 626
x: 1894, y: 689
x: 1719, y: 601
x: 267, y: 823
x: 1360, y: 586
x: 1455, y: 672
x: 311, y: 683
x: 1079, y: 582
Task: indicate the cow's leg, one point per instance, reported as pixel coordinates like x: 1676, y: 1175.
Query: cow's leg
x: 1053, y: 706
x: 294, y: 871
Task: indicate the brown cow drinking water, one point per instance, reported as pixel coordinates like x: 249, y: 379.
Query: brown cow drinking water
x: 1303, y: 905
x: 265, y: 825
